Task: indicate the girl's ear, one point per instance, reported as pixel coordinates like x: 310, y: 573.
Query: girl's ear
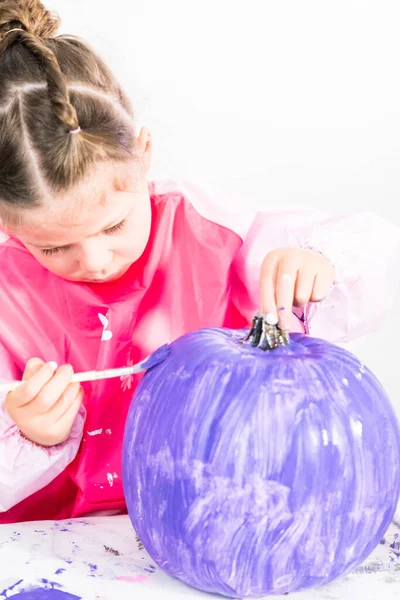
x: 145, y: 148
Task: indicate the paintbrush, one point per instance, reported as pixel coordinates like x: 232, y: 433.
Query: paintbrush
x: 149, y: 362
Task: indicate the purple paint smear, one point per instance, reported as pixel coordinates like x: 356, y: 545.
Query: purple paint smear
x: 45, y: 594
x: 248, y: 473
x: 39, y: 593
x: 9, y: 589
x: 157, y: 357
x: 93, y: 569
x: 396, y: 544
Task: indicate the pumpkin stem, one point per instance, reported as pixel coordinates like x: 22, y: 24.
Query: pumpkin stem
x: 265, y: 336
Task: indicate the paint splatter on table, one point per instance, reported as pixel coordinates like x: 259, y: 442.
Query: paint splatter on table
x: 102, y: 559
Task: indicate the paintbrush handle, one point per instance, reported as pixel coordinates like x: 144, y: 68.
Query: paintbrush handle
x: 86, y: 376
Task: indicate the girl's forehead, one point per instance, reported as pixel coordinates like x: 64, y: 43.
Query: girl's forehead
x: 94, y: 199
x: 96, y: 190
x: 78, y: 213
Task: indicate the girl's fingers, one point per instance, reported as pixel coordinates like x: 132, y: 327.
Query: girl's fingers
x: 32, y: 366
x: 58, y: 431
x: 284, y: 290
x: 33, y: 383
x: 293, y: 277
x: 62, y: 427
x: 304, y: 286
x: 63, y: 404
x: 68, y: 418
x: 267, y: 285
x: 52, y: 390
x: 321, y: 287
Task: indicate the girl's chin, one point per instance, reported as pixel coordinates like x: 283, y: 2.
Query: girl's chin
x: 108, y: 278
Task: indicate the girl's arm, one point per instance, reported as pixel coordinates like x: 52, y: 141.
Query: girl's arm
x: 364, y: 249
x: 25, y: 467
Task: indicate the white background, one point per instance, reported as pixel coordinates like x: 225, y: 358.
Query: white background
x: 265, y: 101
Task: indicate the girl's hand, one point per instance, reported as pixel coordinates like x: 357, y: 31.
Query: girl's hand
x: 44, y: 407
x: 293, y: 277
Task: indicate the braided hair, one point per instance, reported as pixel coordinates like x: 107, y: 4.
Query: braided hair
x: 51, y: 86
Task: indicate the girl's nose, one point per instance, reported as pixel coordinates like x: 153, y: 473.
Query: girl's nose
x: 95, y: 257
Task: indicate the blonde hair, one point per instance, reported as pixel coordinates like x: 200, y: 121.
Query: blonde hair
x: 51, y: 86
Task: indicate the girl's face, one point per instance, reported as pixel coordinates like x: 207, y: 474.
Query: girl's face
x: 95, y: 232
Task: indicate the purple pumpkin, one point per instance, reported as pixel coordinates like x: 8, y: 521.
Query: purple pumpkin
x: 251, y: 472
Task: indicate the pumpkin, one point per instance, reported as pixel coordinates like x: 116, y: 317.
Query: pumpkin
x: 249, y: 471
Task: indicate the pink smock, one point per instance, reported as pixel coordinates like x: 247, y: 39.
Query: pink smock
x: 200, y: 269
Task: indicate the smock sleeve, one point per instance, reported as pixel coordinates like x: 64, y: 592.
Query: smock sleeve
x: 364, y: 249
x: 25, y: 467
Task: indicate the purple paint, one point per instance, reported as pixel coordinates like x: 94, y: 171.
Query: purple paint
x: 249, y: 472
x: 395, y: 546
x: 62, y: 529
x: 3, y: 594
x: 151, y: 569
x: 157, y: 357
x: 39, y: 593
x: 50, y: 591
x: 93, y: 569
x: 52, y: 584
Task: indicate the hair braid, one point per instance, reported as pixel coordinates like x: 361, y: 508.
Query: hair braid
x: 56, y: 85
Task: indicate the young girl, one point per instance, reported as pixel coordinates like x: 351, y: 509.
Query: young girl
x: 99, y: 268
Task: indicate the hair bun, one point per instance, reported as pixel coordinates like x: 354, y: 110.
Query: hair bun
x: 30, y: 15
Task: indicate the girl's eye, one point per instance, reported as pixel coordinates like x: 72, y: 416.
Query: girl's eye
x: 115, y: 228
x: 51, y: 251
x: 109, y: 231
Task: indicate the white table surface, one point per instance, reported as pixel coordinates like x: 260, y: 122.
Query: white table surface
x: 100, y: 559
